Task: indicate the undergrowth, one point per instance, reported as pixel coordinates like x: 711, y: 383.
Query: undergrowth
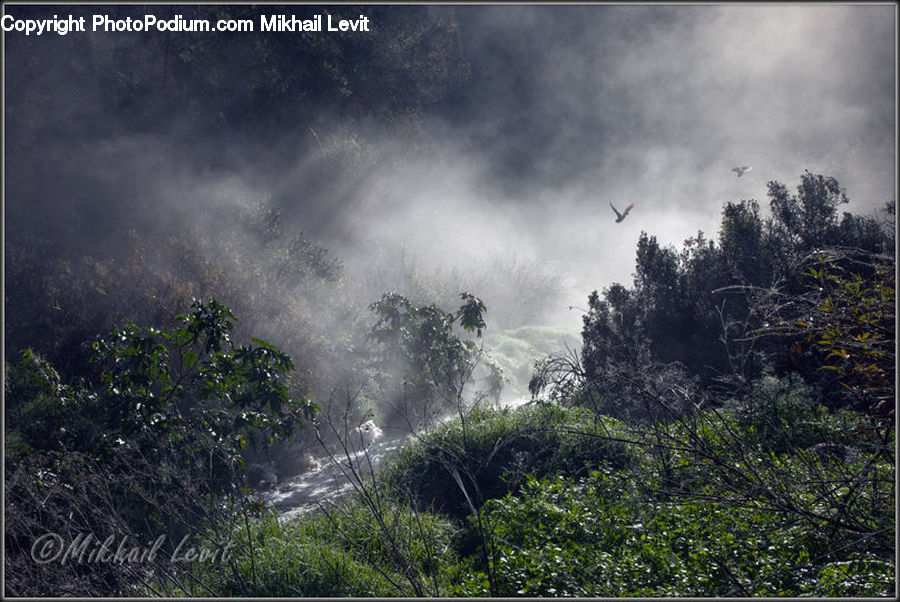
x: 573, y: 505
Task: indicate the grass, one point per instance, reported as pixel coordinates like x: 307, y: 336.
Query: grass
x: 497, y: 450
x: 571, y: 510
x: 334, y: 552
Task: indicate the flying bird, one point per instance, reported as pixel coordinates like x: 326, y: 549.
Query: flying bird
x: 741, y: 170
x: 621, y: 216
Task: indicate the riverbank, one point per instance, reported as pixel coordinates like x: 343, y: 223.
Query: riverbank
x: 547, y: 501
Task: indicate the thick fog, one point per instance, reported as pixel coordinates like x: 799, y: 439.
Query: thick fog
x: 538, y: 118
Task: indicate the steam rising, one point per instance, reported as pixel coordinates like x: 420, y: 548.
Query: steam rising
x: 565, y: 109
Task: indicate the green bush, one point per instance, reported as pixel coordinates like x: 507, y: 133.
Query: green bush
x: 286, y: 558
x: 341, y: 552
x: 783, y: 415
x: 148, y: 444
x: 42, y: 413
x: 865, y: 575
x: 603, y: 537
x: 493, y: 451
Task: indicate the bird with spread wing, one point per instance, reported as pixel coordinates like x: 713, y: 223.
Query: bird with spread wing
x: 741, y: 170
x: 621, y: 216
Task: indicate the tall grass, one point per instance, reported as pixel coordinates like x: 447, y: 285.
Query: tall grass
x: 497, y: 448
x: 335, y: 551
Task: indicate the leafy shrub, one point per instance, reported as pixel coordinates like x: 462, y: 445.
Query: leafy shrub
x: 424, y: 364
x: 150, y: 445
x: 840, y: 487
x: 494, y: 449
x: 866, y: 575
x: 782, y: 415
x: 602, y: 536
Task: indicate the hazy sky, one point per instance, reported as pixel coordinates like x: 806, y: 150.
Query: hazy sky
x: 571, y: 107
x: 565, y: 109
x: 582, y: 105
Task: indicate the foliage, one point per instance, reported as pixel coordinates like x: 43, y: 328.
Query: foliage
x: 844, y: 324
x: 809, y: 219
x: 780, y: 415
x: 701, y: 310
x: 724, y: 502
x: 496, y: 449
x: 601, y: 537
x: 780, y: 453
x: 150, y: 445
x: 287, y: 290
x: 420, y: 350
x: 276, y: 558
x: 708, y: 528
x: 195, y: 380
x: 758, y: 499
x: 333, y: 553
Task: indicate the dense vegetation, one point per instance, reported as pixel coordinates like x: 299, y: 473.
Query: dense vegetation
x: 762, y: 464
x: 726, y: 428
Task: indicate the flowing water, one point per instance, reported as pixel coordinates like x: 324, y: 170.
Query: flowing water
x: 328, y: 480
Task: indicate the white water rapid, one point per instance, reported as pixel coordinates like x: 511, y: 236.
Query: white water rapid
x: 331, y: 478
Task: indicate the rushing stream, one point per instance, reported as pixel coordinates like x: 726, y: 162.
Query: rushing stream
x: 329, y: 480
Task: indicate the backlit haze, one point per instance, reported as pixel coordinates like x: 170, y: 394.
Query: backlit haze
x: 541, y: 116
